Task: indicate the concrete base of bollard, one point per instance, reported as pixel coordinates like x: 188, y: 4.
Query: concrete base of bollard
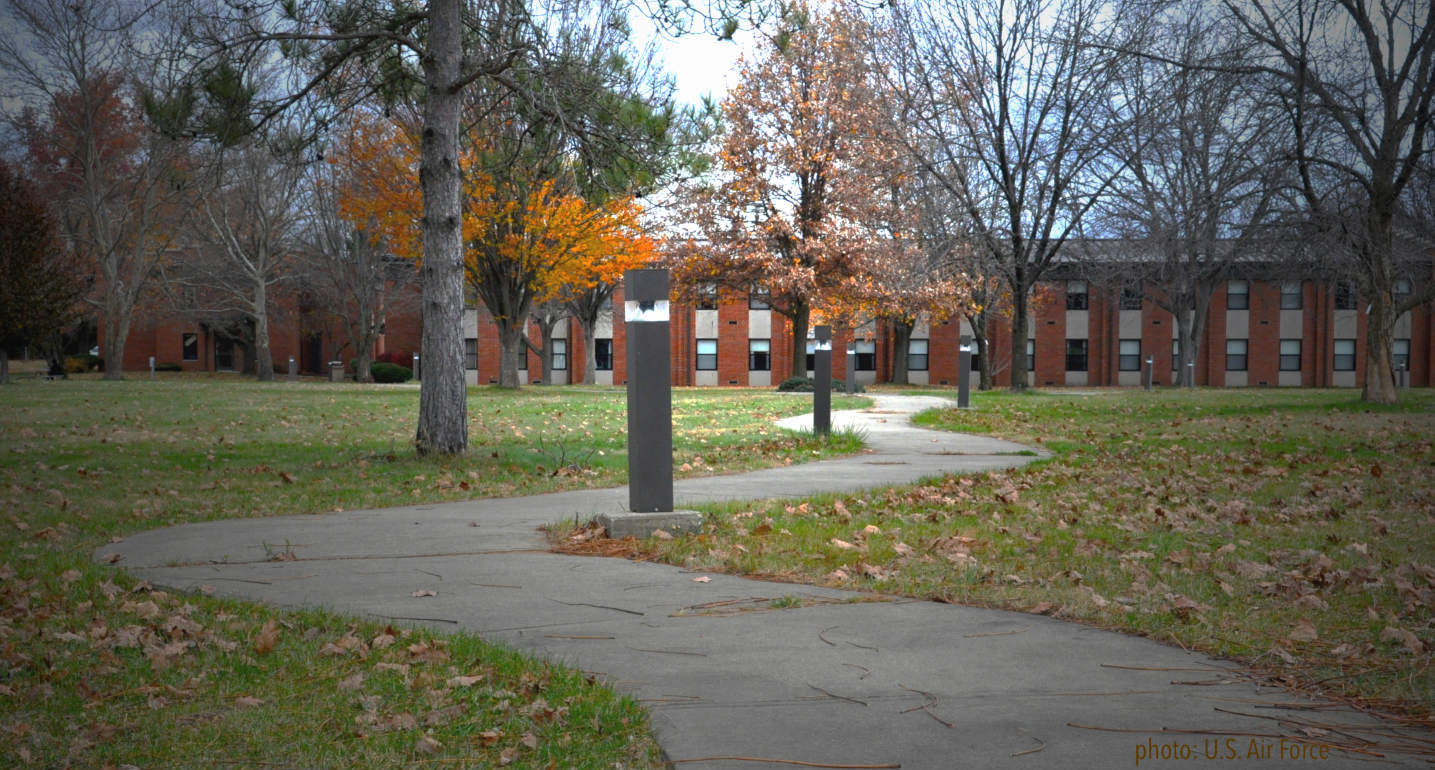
x: 641, y: 525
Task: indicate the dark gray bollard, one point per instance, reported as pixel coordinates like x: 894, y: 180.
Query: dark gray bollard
x: 1150, y: 372
x: 416, y: 366
x: 650, y: 402
x: 822, y: 381
x: 964, y: 373
x: 293, y: 370
x: 151, y: 367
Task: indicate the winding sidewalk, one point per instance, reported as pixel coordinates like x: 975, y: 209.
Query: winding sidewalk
x: 837, y: 681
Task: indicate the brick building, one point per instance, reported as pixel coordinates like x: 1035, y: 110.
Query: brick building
x: 1260, y: 332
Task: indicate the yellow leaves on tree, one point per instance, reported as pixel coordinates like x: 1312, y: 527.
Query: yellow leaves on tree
x: 560, y: 241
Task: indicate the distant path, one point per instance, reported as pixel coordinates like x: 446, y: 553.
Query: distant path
x: 838, y: 680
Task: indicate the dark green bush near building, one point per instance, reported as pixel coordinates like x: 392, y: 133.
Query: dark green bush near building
x: 804, y: 385
x: 386, y: 372
x: 168, y: 366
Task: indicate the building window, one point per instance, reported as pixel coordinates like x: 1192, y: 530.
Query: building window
x: 1031, y: 355
x: 1400, y: 354
x: 811, y: 357
x: 759, y: 298
x: 1129, y: 359
x: 707, y: 355
x: 1076, y: 295
x: 470, y: 353
x: 603, y: 354
x: 866, y: 355
x: 1238, y: 295
x: 707, y: 296
x: 1175, y: 355
x: 1076, y: 355
x: 1344, y: 355
x: 759, y: 355
x: 1236, y: 355
x: 190, y: 343
x: 1131, y: 298
x: 559, y: 360
x: 917, y: 355
x: 1401, y: 289
x: 1344, y: 296
x: 1291, y: 298
x: 1290, y: 355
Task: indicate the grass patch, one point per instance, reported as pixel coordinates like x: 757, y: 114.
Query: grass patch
x: 1291, y: 530
x: 97, y: 669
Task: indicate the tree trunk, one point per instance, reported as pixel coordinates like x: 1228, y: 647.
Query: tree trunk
x: 4, y: 366
x: 262, y: 356
x: 984, y: 359
x: 1379, y: 387
x: 114, y: 351
x: 511, y: 352
x: 901, y: 336
x: 443, y: 392
x: 1018, y: 332
x: 590, y: 367
x: 800, y: 315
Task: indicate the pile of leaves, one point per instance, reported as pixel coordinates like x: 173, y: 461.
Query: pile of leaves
x: 1293, y: 531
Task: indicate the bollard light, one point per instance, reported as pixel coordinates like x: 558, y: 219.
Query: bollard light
x: 151, y: 367
x: 416, y: 366
x: 650, y: 404
x: 293, y: 370
x: 1150, y: 371
x: 964, y: 373
x: 822, y: 381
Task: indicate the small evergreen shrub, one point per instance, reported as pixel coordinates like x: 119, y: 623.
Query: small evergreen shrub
x: 168, y: 366
x: 804, y: 385
x: 387, y: 372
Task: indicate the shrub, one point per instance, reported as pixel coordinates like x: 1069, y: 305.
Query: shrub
x: 77, y: 364
x: 168, y: 366
x: 387, y: 372
x: 804, y: 385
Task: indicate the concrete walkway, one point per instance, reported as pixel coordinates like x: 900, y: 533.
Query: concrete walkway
x: 836, y: 682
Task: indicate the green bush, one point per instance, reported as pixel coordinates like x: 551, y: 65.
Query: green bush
x: 386, y: 372
x: 168, y: 366
x: 804, y: 385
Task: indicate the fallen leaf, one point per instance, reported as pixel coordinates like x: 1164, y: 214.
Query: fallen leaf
x: 1407, y: 639
x: 1304, y: 631
x: 530, y: 740
x: 427, y: 745
x: 248, y: 701
x: 843, y: 544
x: 662, y: 534
x: 490, y: 737
x: 506, y: 757
x: 465, y: 681
x: 703, y: 579
x: 352, y: 682
x: 1042, y: 608
x: 267, y: 638
x: 422, y: 592
x: 287, y: 477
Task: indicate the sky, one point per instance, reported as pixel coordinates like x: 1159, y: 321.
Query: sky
x: 701, y: 64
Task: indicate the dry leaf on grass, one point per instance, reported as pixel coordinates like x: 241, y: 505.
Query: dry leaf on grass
x: 1304, y: 631
x: 267, y: 638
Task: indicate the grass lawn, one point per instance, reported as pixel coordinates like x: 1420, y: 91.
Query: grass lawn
x: 98, y: 670
x: 1291, y: 530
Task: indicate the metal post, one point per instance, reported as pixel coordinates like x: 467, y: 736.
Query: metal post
x: 416, y: 366
x: 1150, y: 371
x: 151, y: 367
x: 650, y: 381
x: 822, y: 381
x: 964, y: 373
x: 293, y: 370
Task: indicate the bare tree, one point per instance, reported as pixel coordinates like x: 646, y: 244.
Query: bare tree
x: 348, y: 272
x: 117, y: 183
x: 587, y: 307
x: 243, y: 243
x: 1358, y: 78
x: 1013, y: 103
x: 1204, y: 175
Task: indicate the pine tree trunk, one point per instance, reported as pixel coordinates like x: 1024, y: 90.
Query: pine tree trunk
x: 443, y: 392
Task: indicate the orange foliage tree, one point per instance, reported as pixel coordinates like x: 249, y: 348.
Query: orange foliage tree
x: 801, y: 200
x: 528, y: 238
